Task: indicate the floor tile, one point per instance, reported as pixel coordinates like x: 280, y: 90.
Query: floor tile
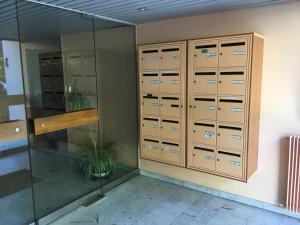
x: 147, y: 201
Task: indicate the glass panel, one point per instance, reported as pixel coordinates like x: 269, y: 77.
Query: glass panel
x: 116, y: 69
x: 61, y: 93
x: 67, y: 81
x: 16, y: 202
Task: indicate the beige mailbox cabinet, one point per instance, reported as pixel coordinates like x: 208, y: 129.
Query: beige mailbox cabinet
x: 224, y: 79
x: 162, y: 78
x: 222, y: 110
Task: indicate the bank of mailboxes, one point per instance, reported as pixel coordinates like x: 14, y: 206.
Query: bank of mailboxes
x: 162, y: 97
x: 223, y: 93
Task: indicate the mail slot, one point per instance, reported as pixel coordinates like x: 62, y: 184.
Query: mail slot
x: 229, y: 163
x: 170, y: 151
x: 170, y: 105
x: 204, y: 132
x: 150, y: 126
x: 150, y: 105
x: 230, y: 136
x: 204, y: 157
x: 204, y: 107
x: 170, y: 57
x: 231, y: 109
x: 206, y: 54
x: 232, y: 81
x: 150, y: 148
x: 57, y: 64
x: 45, y: 67
x: 149, y: 82
x: 204, y: 82
x: 150, y: 59
x: 170, y: 129
x: 233, y: 53
x: 170, y: 82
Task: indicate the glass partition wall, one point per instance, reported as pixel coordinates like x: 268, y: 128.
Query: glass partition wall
x: 16, y: 199
x: 71, y: 107
x: 62, y: 105
x: 115, y: 51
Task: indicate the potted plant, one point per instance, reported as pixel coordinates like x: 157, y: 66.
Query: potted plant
x: 97, y: 158
x: 75, y: 98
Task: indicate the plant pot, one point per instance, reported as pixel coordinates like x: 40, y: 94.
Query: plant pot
x: 103, y: 174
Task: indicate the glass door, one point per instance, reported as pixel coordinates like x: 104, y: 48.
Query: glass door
x: 68, y: 115
x: 62, y: 106
x: 16, y: 199
x: 116, y: 68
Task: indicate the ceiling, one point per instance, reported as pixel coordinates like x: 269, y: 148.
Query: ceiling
x: 28, y: 21
x: 39, y: 20
x: 141, y: 11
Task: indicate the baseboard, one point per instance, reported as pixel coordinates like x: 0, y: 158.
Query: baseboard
x: 222, y: 194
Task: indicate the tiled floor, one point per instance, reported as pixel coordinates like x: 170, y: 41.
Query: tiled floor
x: 145, y: 201
x: 58, y: 176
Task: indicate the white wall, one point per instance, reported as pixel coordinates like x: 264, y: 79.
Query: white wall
x: 13, y: 75
x: 13, y: 69
x: 280, y: 106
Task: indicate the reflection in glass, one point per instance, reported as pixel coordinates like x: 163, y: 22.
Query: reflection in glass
x: 116, y: 67
x: 80, y: 104
x: 62, y: 69
x: 61, y: 95
x: 16, y: 202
